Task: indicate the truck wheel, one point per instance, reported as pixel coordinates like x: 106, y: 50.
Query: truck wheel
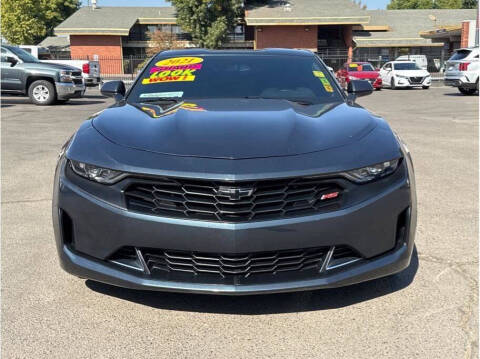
x: 42, y: 93
x: 467, y: 91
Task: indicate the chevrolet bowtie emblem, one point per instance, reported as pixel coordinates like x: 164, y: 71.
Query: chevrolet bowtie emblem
x: 234, y: 193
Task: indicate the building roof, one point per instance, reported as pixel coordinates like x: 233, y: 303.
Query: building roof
x: 306, y: 12
x: 55, y: 41
x: 113, y: 20
x: 442, y: 32
x: 405, y: 26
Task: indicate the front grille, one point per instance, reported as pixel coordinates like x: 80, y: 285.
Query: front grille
x: 416, y: 80
x: 220, y: 267
x: 77, y: 81
x: 76, y: 73
x: 233, y: 202
x: 243, y: 265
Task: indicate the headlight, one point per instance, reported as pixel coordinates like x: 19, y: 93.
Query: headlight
x: 95, y: 173
x: 65, y: 76
x: 369, y: 173
x: 402, y: 77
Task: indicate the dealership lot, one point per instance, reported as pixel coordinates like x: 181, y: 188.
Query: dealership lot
x: 427, y: 311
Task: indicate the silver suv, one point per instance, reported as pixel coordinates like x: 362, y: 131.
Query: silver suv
x: 462, y: 70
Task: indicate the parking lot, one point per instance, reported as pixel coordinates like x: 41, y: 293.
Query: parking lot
x: 427, y: 311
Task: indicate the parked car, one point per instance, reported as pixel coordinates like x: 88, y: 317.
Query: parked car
x: 359, y: 71
x: 462, y: 70
x: 406, y: 74
x: 220, y: 172
x: 90, y: 68
x: 44, y: 83
x: 420, y: 60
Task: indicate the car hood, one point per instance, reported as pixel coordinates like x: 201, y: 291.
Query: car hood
x: 364, y: 74
x: 412, y: 73
x: 234, y: 129
x: 55, y: 66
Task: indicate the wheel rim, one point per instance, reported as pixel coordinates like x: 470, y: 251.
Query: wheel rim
x: 41, y: 93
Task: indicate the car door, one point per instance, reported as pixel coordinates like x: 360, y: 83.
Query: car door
x: 386, y: 73
x: 11, y: 75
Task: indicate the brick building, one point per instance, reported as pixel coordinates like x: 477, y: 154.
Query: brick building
x: 338, y: 30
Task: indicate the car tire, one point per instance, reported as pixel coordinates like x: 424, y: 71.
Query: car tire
x: 392, y: 84
x: 467, y: 91
x: 425, y: 87
x: 42, y: 93
x: 378, y: 89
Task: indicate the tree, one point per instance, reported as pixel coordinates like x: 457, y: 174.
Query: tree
x: 29, y: 21
x: 208, y: 21
x: 469, y: 4
x: 431, y: 4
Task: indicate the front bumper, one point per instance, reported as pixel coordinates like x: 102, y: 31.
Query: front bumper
x: 67, y: 90
x: 403, y: 82
x: 100, y: 229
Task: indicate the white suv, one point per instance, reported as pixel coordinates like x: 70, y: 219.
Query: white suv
x: 462, y: 70
x: 397, y: 74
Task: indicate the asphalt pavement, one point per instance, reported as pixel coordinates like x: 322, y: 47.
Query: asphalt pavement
x: 429, y: 310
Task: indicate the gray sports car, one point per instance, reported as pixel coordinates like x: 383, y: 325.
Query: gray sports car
x: 234, y: 172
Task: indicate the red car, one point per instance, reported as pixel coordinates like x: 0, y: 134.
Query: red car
x: 359, y: 71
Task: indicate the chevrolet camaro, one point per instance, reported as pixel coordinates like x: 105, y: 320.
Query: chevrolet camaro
x: 234, y: 172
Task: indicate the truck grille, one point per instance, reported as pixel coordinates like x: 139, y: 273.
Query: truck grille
x: 158, y: 262
x: 233, y: 201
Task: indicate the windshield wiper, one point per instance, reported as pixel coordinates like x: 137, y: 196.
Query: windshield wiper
x: 300, y: 101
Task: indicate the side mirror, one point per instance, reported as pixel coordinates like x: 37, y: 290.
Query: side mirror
x: 114, y: 89
x: 358, y: 88
x: 13, y: 61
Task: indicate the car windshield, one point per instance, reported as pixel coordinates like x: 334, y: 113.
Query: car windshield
x: 360, y: 67
x: 23, y: 55
x: 406, y: 66
x: 300, y: 79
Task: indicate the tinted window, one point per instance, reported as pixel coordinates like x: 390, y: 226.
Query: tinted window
x: 23, y: 55
x: 4, y: 55
x: 406, y: 66
x: 460, y: 54
x: 236, y: 76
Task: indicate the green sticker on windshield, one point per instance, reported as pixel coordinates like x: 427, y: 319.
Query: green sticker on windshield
x: 326, y: 84
x: 318, y: 74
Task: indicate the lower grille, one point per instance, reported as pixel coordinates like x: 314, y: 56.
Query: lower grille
x: 233, y: 267
x: 77, y: 81
x: 233, y: 201
x: 416, y: 80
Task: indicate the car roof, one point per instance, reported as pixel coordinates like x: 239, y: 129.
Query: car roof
x: 272, y: 51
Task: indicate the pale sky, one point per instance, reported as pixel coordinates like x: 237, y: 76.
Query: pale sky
x: 371, y: 4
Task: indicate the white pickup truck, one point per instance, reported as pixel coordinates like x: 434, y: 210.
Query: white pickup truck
x: 90, y: 68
